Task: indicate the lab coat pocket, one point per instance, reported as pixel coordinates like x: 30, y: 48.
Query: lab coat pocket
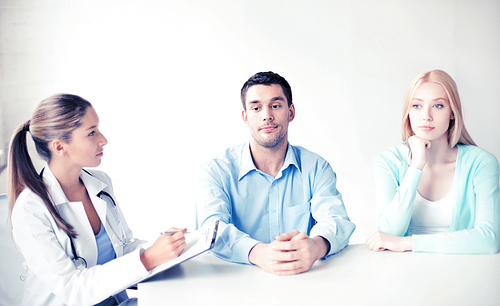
x: 298, y: 217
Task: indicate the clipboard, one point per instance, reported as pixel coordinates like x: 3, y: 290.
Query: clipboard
x: 197, y: 242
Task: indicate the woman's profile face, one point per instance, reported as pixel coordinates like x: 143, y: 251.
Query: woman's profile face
x: 430, y: 112
x: 85, y: 148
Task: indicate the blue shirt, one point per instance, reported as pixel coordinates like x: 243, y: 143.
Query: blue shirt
x: 105, y: 251
x: 255, y: 207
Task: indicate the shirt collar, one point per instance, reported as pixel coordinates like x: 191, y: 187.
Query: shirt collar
x: 92, y: 184
x: 247, y: 164
x: 291, y: 158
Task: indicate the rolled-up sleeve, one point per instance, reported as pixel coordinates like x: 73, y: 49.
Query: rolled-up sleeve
x: 214, y: 203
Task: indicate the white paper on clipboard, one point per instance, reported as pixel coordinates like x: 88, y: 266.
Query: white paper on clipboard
x: 197, y: 242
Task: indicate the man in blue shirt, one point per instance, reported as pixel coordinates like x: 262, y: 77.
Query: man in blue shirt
x: 278, y: 204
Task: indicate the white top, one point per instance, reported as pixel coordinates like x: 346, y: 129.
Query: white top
x: 431, y: 217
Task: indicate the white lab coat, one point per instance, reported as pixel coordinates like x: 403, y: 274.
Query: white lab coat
x: 51, y: 277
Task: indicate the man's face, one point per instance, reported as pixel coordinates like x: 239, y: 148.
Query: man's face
x: 267, y: 115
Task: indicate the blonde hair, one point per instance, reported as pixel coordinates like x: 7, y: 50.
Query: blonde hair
x: 457, y: 133
x: 54, y: 118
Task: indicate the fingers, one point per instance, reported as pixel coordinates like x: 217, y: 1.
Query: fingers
x: 427, y: 144
x: 179, y: 234
x: 418, y: 147
x: 177, y: 230
x: 296, y: 242
x: 174, y: 233
x: 416, y: 142
x: 175, y: 239
x: 299, y: 236
x: 163, y: 249
x: 374, y: 242
x: 376, y: 247
x: 286, y: 246
x: 284, y: 256
x: 174, y: 244
x: 288, y: 268
x: 292, y: 257
x: 281, y: 262
x: 289, y: 263
x: 179, y: 248
x: 287, y: 236
x: 289, y: 254
x: 381, y: 241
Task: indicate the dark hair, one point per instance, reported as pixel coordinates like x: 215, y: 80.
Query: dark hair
x: 54, y: 118
x: 266, y: 78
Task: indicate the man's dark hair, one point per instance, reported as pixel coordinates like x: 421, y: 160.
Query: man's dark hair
x: 266, y: 78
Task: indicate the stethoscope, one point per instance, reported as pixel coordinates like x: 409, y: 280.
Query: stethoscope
x: 80, y: 262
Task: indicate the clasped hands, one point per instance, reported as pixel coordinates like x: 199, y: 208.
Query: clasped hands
x: 291, y: 253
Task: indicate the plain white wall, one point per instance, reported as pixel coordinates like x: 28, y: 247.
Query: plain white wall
x: 164, y: 77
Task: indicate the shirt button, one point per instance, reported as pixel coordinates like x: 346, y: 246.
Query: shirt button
x: 274, y: 210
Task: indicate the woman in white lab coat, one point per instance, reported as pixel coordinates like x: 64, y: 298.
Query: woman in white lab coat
x: 77, y: 246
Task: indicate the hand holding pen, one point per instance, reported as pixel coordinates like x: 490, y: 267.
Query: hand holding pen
x: 167, y: 247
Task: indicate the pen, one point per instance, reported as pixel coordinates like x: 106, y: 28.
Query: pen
x: 170, y: 233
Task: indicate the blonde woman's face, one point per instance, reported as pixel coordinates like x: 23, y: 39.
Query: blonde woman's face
x: 430, y: 112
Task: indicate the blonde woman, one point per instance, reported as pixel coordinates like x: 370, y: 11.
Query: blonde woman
x: 438, y: 192
x: 77, y: 247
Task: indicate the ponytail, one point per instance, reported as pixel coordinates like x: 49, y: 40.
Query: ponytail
x: 22, y: 174
x: 18, y: 159
x: 54, y: 118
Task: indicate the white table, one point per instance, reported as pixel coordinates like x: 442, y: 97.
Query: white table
x: 355, y: 276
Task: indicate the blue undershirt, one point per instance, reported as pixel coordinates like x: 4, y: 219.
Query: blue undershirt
x: 105, y: 251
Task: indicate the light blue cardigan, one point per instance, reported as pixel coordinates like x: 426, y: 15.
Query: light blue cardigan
x: 475, y: 223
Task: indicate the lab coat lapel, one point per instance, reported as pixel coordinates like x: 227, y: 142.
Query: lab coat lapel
x: 74, y: 214
x: 94, y: 187
x: 70, y: 211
